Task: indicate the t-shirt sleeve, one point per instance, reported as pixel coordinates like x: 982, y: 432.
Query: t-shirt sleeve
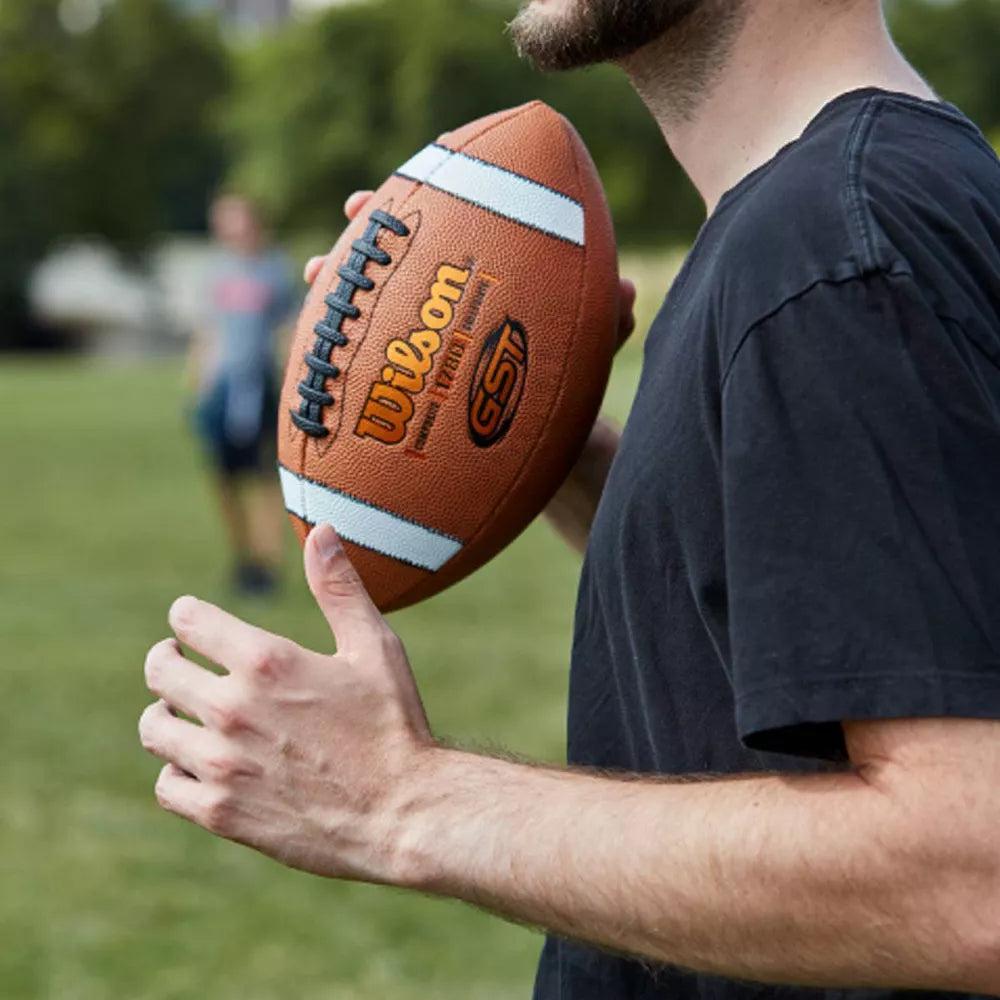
x: 861, y: 478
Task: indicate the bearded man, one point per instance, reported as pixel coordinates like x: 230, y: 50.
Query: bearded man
x: 786, y: 669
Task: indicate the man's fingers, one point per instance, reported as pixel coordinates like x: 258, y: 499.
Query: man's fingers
x: 191, y: 799
x: 175, y: 740
x: 218, y: 635
x: 352, y: 207
x: 338, y: 590
x: 173, y: 677
x: 313, y: 266
x: 355, y: 203
x: 199, y: 752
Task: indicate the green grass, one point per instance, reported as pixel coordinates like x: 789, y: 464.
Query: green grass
x: 106, y: 518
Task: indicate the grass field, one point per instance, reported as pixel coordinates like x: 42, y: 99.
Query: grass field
x: 105, y: 519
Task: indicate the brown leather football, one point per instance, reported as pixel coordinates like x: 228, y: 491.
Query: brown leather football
x: 452, y: 355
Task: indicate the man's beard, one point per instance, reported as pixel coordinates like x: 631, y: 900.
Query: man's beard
x: 594, y: 31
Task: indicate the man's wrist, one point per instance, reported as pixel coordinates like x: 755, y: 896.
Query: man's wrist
x: 433, y: 811
x: 417, y: 810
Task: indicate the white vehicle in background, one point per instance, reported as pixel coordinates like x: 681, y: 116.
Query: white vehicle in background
x: 113, y: 310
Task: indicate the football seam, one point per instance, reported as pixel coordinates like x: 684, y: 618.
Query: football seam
x: 328, y: 331
x: 323, y: 445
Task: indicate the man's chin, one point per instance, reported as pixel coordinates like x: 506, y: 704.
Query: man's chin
x: 546, y: 32
x: 566, y: 34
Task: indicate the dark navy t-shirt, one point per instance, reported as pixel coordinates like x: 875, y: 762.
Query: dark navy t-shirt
x: 802, y: 523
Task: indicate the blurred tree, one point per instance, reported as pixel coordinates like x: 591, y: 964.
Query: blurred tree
x: 148, y: 82
x: 36, y: 137
x: 105, y: 128
x: 340, y: 99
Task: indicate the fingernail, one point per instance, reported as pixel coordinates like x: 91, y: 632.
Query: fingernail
x: 326, y: 540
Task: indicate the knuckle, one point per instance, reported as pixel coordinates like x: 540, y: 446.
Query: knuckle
x: 389, y: 644
x: 218, y: 814
x: 227, y: 715
x: 376, y: 646
x: 221, y: 768
x: 269, y: 660
x: 341, y: 578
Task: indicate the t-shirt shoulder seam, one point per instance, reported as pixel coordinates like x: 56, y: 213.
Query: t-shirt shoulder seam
x: 861, y: 222
x: 895, y: 271
x: 861, y: 225
x: 866, y: 232
x: 945, y: 112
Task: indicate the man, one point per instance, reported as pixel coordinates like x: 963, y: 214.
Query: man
x: 233, y: 365
x: 791, y: 582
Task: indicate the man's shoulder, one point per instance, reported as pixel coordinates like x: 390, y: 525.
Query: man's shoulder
x: 929, y: 202
x: 828, y: 196
x: 878, y: 183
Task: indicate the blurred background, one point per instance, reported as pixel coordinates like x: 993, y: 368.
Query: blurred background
x: 118, y: 121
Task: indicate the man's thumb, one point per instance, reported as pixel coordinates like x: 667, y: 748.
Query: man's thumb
x: 338, y: 589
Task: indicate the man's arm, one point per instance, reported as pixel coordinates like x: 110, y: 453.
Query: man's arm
x: 571, y: 511
x: 885, y: 876
x: 888, y: 875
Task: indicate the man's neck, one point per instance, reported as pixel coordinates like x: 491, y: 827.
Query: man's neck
x: 762, y: 81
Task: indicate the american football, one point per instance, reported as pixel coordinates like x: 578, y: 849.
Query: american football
x: 452, y: 355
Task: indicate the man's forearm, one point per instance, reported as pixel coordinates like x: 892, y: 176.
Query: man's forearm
x: 571, y: 511
x: 815, y: 880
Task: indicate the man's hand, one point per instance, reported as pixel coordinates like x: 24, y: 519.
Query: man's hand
x: 572, y: 510
x: 300, y: 755
x: 352, y: 207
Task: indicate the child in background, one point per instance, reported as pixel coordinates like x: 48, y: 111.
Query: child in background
x: 233, y: 361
